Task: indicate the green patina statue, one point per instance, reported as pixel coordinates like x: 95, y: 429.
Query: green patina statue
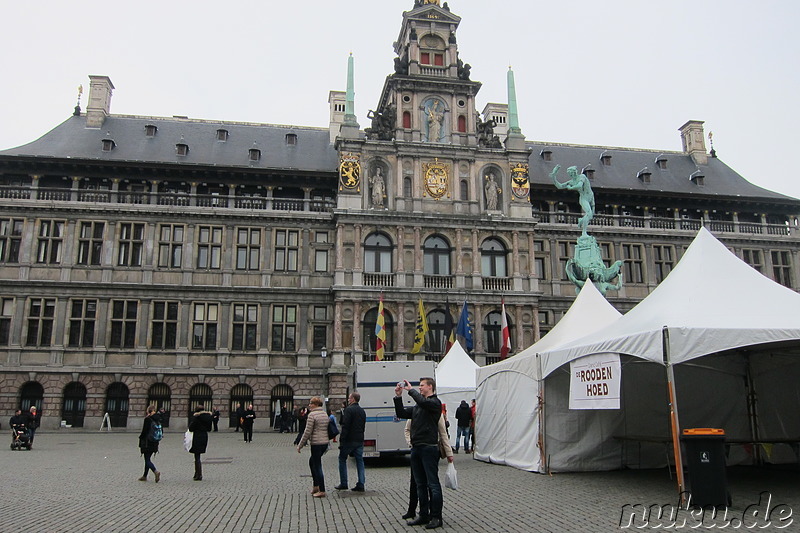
x: 588, y: 262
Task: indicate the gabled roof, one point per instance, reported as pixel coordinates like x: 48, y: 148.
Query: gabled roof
x: 72, y: 139
x: 626, y: 163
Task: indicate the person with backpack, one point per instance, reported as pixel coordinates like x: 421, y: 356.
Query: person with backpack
x: 151, y: 435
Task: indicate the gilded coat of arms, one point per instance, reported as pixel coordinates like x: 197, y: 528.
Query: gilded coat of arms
x: 437, y: 177
x: 520, y: 185
x: 349, y: 172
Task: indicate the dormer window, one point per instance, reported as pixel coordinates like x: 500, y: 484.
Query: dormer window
x: 605, y: 158
x: 697, y: 178
x: 291, y: 139
x: 222, y: 135
x: 182, y: 149
x: 588, y: 171
x: 546, y: 154
x: 644, y: 175
x: 108, y: 145
x: 661, y: 162
x: 150, y: 130
x: 255, y: 154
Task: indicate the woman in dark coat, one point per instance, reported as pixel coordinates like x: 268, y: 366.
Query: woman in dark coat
x: 147, y: 446
x: 201, y: 424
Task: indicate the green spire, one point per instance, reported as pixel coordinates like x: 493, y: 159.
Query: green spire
x: 513, y: 117
x: 350, y: 103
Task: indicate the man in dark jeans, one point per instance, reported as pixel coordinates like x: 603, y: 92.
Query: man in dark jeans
x: 351, y: 441
x: 424, y: 417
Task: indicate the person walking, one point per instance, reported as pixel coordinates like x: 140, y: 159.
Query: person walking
x: 215, y: 417
x: 148, y: 445
x: 239, y: 416
x: 247, y: 424
x: 474, y: 410
x: 464, y: 418
x: 444, y: 443
x: 316, y: 434
x: 302, y: 415
x: 351, y: 441
x: 425, y: 416
x: 200, y: 425
x: 34, y: 420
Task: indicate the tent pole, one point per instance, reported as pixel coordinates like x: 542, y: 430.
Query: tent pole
x: 540, y: 407
x: 673, y: 413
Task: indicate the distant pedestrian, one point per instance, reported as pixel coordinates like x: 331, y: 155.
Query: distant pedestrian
x: 351, y: 441
x: 474, y: 410
x: 464, y: 418
x: 34, y: 420
x: 316, y: 434
x: 215, y: 417
x: 302, y: 415
x: 247, y: 425
x: 284, y: 420
x: 147, y: 444
x: 201, y: 424
x: 239, y: 416
x: 444, y: 441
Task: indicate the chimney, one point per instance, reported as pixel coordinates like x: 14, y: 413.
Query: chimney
x: 694, y: 142
x: 99, y: 106
x: 337, y: 101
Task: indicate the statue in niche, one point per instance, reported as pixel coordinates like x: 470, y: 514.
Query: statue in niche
x: 492, y: 192
x: 378, y: 187
x: 383, y: 122
x: 434, y: 117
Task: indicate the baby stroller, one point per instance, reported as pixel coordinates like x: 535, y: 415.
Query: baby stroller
x: 20, y: 437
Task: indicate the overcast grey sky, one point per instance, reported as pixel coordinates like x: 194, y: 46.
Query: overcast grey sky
x: 614, y: 73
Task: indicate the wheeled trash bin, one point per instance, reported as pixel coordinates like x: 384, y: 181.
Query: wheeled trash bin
x: 705, y: 461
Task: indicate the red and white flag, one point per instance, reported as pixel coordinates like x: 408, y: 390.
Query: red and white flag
x: 505, y: 347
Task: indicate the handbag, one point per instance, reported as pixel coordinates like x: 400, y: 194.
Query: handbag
x: 187, y: 440
x: 451, y: 477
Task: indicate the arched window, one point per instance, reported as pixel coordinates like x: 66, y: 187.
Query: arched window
x: 436, y: 334
x: 492, y: 337
x: 377, y: 254
x: 160, y: 397
x: 462, y: 123
x: 117, y: 404
x: 32, y: 393
x: 74, y: 407
x: 407, y: 120
x: 201, y: 394
x: 368, y: 337
x: 464, y: 190
x: 241, y: 395
x: 282, y: 404
x: 436, y: 256
x: 493, y: 259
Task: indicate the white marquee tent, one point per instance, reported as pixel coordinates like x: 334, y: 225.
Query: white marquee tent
x: 508, y: 392
x: 455, y: 381
x: 731, y: 337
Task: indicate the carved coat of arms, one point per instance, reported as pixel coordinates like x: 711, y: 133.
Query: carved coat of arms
x: 520, y: 184
x: 349, y: 172
x: 437, y: 178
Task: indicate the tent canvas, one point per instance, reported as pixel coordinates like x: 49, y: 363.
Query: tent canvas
x: 455, y: 381
x: 508, y: 392
x: 711, y: 304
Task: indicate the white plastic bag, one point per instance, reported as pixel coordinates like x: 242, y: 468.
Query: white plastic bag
x: 451, y: 477
x: 187, y: 440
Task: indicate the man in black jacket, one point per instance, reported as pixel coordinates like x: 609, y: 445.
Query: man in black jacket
x: 464, y: 417
x: 351, y: 441
x: 424, y: 417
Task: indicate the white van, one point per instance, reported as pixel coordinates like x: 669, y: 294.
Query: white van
x: 375, y: 381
